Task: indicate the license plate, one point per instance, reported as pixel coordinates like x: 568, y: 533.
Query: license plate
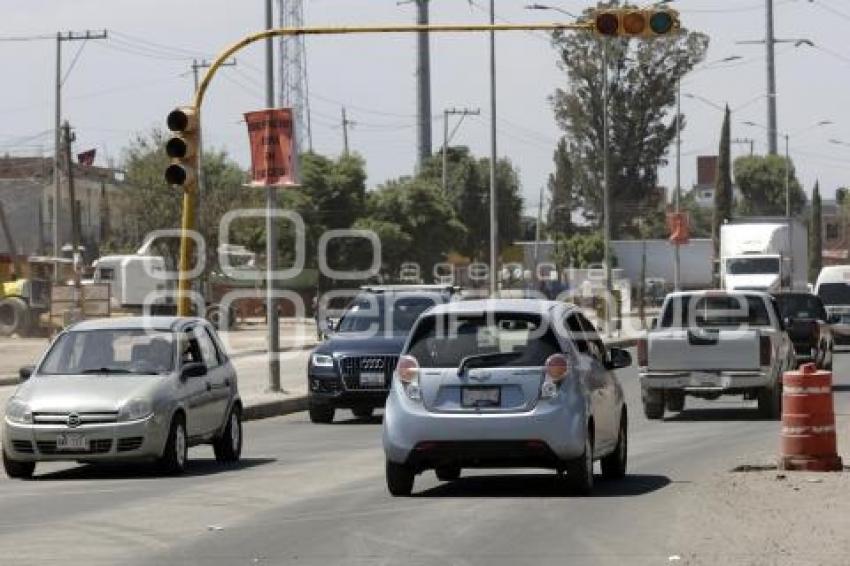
x: 72, y: 442
x: 372, y: 378
x: 481, y: 396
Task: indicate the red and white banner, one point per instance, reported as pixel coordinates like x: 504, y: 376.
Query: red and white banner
x: 272, y: 137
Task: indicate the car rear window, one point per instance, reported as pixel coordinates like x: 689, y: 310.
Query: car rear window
x: 715, y: 310
x: 445, y: 341
x: 801, y: 306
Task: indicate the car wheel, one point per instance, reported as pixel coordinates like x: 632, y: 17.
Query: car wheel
x: 675, y: 401
x: 399, y: 479
x: 770, y: 402
x: 16, y: 469
x: 580, y: 470
x: 228, y: 447
x: 653, y: 404
x: 176, y: 452
x: 321, y: 414
x: 614, y: 465
x: 448, y: 473
x: 363, y: 412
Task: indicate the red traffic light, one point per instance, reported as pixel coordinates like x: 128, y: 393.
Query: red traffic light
x: 607, y: 23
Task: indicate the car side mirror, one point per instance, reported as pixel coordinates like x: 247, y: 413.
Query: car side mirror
x: 787, y: 322
x: 653, y: 323
x: 193, y: 369
x: 26, y: 372
x: 619, y: 358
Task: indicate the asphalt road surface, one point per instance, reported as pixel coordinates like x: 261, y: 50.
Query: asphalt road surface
x: 315, y: 495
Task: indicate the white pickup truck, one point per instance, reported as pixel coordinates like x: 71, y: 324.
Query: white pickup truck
x: 712, y: 343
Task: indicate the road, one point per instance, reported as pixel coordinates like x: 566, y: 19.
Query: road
x: 315, y: 495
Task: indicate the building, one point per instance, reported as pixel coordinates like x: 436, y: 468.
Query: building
x: 27, y: 193
x: 836, y: 242
x: 703, y: 190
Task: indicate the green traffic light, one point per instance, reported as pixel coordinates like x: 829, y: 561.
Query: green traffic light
x: 661, y: 23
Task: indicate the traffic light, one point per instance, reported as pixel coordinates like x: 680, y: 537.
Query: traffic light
x: 182, y: 148
x: 636, y: 22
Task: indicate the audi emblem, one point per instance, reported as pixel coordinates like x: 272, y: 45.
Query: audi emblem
x: 74, y: 420
x: 372, y: 364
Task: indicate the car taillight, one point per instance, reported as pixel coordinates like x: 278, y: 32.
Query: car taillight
x: 765, y: 351
x: 408, y: 369
x: 557, y: 368
x: 642, y: 352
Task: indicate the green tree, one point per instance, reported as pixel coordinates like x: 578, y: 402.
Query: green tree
x: 643, y: 76
x: 418, y: 220
x: 723, y: 192
x: 559, y: 217
x: 580, y: 251
x: 761, y: 180
x: 816, y: 238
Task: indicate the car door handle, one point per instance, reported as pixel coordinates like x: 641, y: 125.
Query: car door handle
x: 227, y: 382
x: 209, y: 386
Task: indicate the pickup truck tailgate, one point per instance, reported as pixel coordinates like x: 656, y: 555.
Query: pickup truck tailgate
x: 703, y: 349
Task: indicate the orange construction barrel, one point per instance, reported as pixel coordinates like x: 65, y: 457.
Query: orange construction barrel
x: 808, y: 421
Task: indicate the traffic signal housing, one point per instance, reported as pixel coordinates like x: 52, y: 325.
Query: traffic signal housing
x: 182, y: 147
x: 636, y: 22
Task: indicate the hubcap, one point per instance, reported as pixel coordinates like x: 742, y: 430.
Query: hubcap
x: 180, y: 445
x: 234, y: 432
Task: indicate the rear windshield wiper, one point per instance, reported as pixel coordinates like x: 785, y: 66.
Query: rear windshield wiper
x: 483, y: 360
x: 106, y: 370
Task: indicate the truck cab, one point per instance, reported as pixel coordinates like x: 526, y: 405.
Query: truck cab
x: 753, y: 272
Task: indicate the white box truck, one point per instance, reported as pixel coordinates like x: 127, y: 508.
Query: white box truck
x: 764, y: 254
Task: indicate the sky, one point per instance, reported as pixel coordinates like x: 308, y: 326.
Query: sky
x: 125, y: 85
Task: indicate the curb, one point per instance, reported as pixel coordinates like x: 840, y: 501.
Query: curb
x: 283, y: 350
x: 276, y: 408
x: 7, y: 381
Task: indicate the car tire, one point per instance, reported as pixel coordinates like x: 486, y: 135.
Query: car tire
x: 176, y: 451
x: 363, y: 412
x: 399, y: 479
x: 448, y: 473
x: 770, y: 402
x: 14, y: 317
x: 580, y: 471
x: 675, y: 401
x: 16, y: 469
x: 321, y: 414
x: 228, y: 446
x: 614, y: 465
x: 653, y: 404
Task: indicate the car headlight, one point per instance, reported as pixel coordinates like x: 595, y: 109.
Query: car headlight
x: 322, y: 361
x: 136, y: 409
x: 18, y: 412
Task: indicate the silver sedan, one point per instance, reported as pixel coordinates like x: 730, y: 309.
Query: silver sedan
x: 125, y: 389
x: 501, y: 384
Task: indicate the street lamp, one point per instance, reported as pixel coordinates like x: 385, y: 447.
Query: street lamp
x: 787, y: 137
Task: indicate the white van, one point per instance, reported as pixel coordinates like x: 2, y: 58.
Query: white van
x: 135, y: 280
x: 833, y: 288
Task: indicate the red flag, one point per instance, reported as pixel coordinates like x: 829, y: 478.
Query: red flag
x: 272, y: 136
x: 87, y: 157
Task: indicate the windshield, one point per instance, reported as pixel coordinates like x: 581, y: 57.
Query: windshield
x: 834, y: 293
x: 384, y: 314
x: 142, y: 352
x: 752, y: 266
x: 801, y: 306
x: 444, y: 342
x: 722, y: 310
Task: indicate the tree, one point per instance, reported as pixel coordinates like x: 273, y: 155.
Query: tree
x: 723, y: 192
x: 761, y: 180
x: 643, y: 78
x: 816, y: 235
x: 418, y: 220
x: 580, y: 251
x: 559, y: 217
x: 469, y: 194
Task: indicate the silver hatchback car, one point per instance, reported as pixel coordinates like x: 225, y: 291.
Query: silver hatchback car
x: 505, y: 384
x: 142, y: 388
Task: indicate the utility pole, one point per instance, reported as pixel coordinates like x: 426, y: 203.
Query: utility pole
x: 57, y: 147
x: 746, y: 141
x: 67, y: 139
x: 423, y: 86
x: 537, y: 232
x: 494, y: 219
x: 787, y: 176
x: 770, y: 44
x: 345, y: 124
x: 273, y: 332
x: 677, y: 259
x: 463, y: 113
x: 606, y: 190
